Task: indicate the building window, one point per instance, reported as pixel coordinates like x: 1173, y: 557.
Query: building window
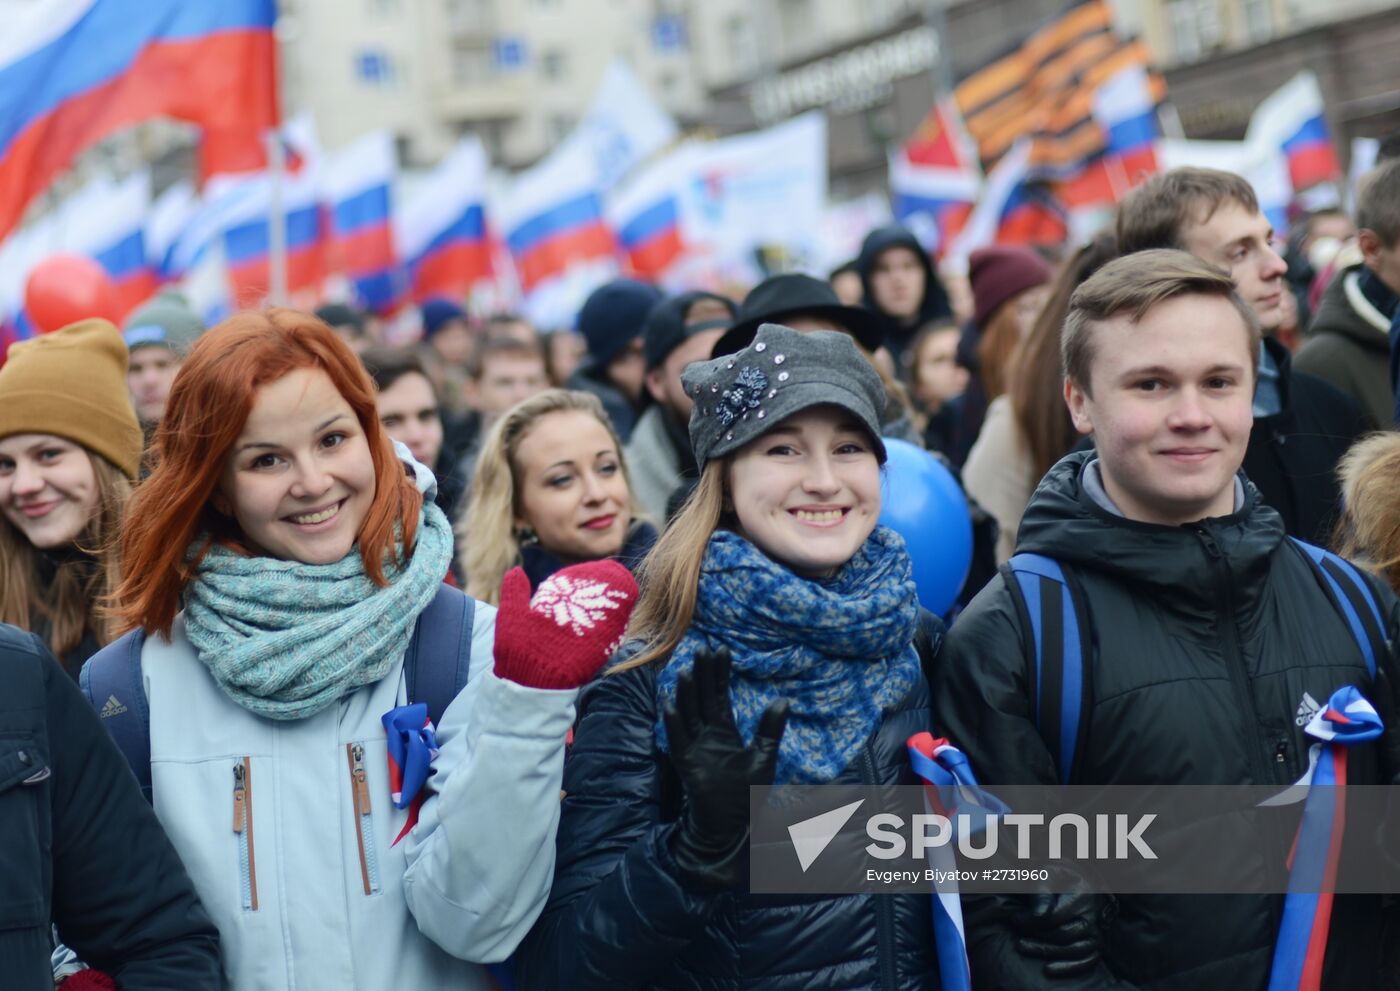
x: 376, y: 68
x: 554, y: 65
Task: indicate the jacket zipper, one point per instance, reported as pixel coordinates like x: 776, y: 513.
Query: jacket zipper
x: 1259, y: 765
x: 884, y: 911
x: 243, y: 832
x: 364, y: 820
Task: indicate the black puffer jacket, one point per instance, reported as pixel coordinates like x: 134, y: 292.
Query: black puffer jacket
x: 79, y: 847
x: 1205, y: 639
x: 618, y: 917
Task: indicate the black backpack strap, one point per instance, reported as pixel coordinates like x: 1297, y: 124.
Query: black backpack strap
x: 111, y: 680
x: 1059, y: 643
x: 1354, y: 598
x: 439, y: 656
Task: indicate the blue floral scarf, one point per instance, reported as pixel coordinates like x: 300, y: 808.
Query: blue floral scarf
x: 840, y: 650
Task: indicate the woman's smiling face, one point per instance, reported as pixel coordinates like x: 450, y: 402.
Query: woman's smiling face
x: 807, y: 492
x: 299, y: 480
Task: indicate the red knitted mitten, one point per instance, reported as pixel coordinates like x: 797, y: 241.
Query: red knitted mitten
x: 568, y: 630
x: 88, y: 980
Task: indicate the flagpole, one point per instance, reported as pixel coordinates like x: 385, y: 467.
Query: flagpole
x: 276, y: 221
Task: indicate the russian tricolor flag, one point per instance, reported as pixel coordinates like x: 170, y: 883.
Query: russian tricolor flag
x: 934, y: 175
x: 111, y: 218
x: 358, y: 183
x: 553, y: 218
x: 246, y: 238
x: 73, y: 72
x: 652, y: 239
x: 1012, y: 209
x: 1293, y: 120
x: 1126, y: 110
x: 441, y: 229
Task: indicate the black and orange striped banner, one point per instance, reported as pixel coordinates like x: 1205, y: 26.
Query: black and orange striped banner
x: 1045, y: 89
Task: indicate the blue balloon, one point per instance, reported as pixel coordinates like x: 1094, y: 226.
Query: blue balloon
x: 924, y: 504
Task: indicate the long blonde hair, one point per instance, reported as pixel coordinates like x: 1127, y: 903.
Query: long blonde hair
x: 670, y: 575
x: 71, y: 602
x: 1369, y: 529
x: 487, y: 538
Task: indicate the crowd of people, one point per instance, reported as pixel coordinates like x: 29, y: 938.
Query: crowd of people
x: 329, y: 664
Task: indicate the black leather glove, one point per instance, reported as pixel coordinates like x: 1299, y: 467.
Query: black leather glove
x: 716, y: 770
x: 1064, y: 930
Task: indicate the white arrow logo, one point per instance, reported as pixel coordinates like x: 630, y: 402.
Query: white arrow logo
x: 811, y: 836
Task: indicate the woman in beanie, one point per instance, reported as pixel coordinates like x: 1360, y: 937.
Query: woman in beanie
x: 284, y: 563
x: 550, y: 488
x: 70, y: 448
x: 775, y: 642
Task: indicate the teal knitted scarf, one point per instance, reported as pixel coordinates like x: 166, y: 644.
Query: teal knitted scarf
x: 285, y: 639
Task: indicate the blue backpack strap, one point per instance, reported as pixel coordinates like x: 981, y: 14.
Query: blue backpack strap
x: 1046, y: 600
x: 1354, y: 598
x: 111, y: 680
x: 439, y: 656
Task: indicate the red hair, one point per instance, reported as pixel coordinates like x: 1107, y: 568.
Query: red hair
x: 208, y: 406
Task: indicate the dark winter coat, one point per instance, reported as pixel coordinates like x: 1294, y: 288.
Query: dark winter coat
x: 1205, y: 639
x: 1348, y: 345
x: 539, y: 564
x: 79, y: 847
x: 1292, y: 456
x: 898, y: 336
x: 619, y: 917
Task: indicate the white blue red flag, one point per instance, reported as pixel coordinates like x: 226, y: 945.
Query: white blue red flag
x: 72, y: 72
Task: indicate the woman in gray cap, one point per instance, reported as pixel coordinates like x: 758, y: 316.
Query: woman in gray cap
x: 774, y: 642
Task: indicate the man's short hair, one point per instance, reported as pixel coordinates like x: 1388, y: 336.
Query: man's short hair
x: 1378, y: 203
x: 494, y: 347
x: 1134, y: 284
x: 1155, y: 214
x: 387, y: 365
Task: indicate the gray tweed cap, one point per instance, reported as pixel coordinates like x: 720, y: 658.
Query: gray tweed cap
x: 740, y: 396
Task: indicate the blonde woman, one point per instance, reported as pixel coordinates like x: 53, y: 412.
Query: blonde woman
x: 550, y: 490
x: 70, y: 449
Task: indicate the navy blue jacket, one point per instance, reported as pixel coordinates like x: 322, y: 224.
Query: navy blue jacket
x: 619, y: 917
x: 79, y: 847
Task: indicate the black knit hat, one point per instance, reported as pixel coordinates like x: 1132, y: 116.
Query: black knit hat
x: 740, y: 396
x: 782, y: 296
x: 666, y: 325
x: 613, y: 316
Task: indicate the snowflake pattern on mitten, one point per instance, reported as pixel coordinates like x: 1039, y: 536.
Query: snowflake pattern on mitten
x: 562, y: 634
x: 577, y: 604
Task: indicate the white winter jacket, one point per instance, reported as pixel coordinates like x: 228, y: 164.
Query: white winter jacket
x: 295, y: 859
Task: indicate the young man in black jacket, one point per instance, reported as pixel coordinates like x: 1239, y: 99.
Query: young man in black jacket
x: 1207, y: 631
x: 1302, y: 425
x: 80, y: 849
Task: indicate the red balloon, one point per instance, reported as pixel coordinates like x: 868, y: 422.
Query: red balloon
x: 64, y: 289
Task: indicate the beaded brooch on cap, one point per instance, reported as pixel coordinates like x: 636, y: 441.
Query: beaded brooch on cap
x: 746, y: 395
